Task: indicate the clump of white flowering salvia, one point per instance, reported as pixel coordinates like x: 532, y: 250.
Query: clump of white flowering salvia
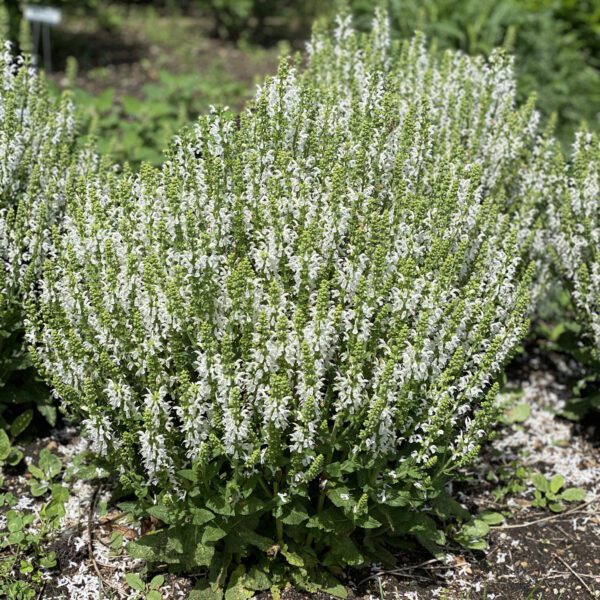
x: 288, y: 338
x: 37, y: 142
x: 574, y: 226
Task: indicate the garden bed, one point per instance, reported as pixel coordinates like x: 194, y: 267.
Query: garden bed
x: 281, y: 338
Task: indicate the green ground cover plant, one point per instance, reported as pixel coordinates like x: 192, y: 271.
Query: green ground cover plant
x: 25, y: 540
x: 135, y: 130
x: 289, y: 337
x: 134, y: 108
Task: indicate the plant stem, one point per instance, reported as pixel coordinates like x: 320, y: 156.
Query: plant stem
x: 310, y: 537
x: 278, y: 523
x: 263, y: 485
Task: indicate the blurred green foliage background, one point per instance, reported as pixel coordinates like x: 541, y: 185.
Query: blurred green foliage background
x: 556, y: 44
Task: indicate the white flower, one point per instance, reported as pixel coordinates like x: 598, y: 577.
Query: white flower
x: 352, y: 256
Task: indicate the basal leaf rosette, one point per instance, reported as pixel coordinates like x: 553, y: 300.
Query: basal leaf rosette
x: 287, y: 338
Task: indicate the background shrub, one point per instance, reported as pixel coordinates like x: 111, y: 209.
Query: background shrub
x: 574, y: 226
x: 288, y: 338
x: 37, y: 138
x: 260, y: 20
x: 575, y: 221
x: 555, y: 46
x: 555, y: 42
x: 135, y: 130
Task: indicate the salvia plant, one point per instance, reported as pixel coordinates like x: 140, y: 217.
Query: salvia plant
x: 574, y: 236
x: 37, y: 140
x: 289, y: 337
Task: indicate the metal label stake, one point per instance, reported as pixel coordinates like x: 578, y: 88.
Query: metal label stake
x: 41, y: 19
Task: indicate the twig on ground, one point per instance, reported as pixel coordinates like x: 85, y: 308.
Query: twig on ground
x: 41, y: 592
x: 579, y: 578
x: 555, y: 573
x: 401, y: 570
x: 91, y: 512
x: 91, y: 535
x: 576, y: 509
x: 565, y: 533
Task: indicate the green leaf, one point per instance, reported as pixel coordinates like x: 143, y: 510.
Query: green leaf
x: 153, y: 595
x: 135, y: 582
x: 334, y: 470
x: 203, y: 554
x: 37, y: 489
x: 344, y: 552
x: 573, y: 495
x: 15, y: 538
x: 36, y: 471
x: 50, y: 463
x: 14, y: 521
x: 329, y: 584
x: 556, y: 507
x: 253, y: 505
x: 159, y: 110
x: 331, y: 519
x: 556, y: 483
x: 213, y: 534
x: 519, y: 413
x: 160, y: 512
x: 479, y: 528
x: 448, y: 507
x: 15, y: 456
x: 237, y: 589
x: 204, y: 591
x: 156, y: 582
x: 59, y: 492
x: 188, y: 474
x: 293, y: 558
x: 341, y: 497
x: 295, y: 515
x: 49, y: 413
x: 200, y: 516
x: 116, y: 541
x: 49, y: 561
x: 4, y: 445
x: 254, y: 539
x: 104, y: 102
x: 162, y: 545
x: 491, y: 518
x: 540, y: 482
x: 471, y: 535
x: 257, y: 580
x: 368, y: 522
x: 221, y: 506
x: 476, y: 545
x: 21, y: 423
x: 397, y: 498
x: 132, y: 105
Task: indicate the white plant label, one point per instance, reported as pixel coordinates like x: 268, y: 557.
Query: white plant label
x: 48, y: 15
